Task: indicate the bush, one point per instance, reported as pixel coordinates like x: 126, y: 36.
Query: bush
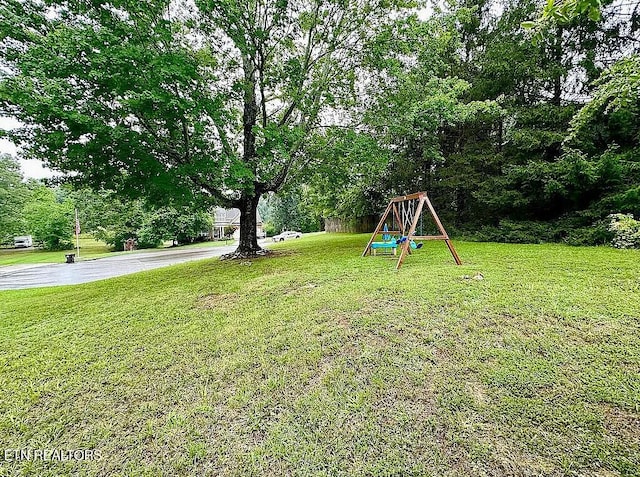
x: 116, y: 237
x: 519, y: 232
x: 626, y: 231
x: 598, y: 234
x: 50, y: 221
x: 572, y: 231
x: 229, y: 230
x: 148, y: 238
x: 269, y: 229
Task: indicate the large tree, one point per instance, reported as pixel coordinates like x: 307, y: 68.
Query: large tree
x: 208, y: 102
x: 13, y: 195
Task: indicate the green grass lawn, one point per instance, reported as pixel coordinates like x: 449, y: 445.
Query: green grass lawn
x: 89, y: 249
x: 320, y: 362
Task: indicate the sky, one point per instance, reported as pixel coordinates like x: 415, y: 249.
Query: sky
x: 30, y: 169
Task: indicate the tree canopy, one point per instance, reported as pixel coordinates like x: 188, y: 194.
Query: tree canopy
x: 521, y: 134
x: 183, y: 105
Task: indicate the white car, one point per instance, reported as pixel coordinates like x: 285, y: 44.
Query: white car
x: 286, y: 235
x: 23, y: 241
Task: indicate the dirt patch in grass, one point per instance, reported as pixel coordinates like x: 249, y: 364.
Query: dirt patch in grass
x: 301, y: 289
x: 622, y: 424
x: 216, y: 301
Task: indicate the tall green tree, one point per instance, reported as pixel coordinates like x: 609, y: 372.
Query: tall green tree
x: 291, y: 210
x: 605, y: 134
x: 203, y: 105
x: 49, y: 218
x: 13, y: 196
x: 348, y: 166
x: 476, y: 113
x: 425, y: 111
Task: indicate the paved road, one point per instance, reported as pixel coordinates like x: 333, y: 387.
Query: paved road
x: 42, y: 275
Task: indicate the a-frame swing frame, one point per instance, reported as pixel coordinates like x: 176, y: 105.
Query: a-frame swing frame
x: 408, y: 222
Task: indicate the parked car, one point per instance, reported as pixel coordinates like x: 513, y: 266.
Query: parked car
x: 23, y: 241
x: 286, y: 235
x: 261, y: 234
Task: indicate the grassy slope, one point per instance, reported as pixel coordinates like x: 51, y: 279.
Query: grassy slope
x: 89, y: 249
x: 319, y: 362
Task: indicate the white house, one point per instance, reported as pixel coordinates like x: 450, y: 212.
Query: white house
x: 230, y: 218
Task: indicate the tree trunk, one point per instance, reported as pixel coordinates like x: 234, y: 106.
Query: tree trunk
x: 557, y: 79
x: 248, y: 245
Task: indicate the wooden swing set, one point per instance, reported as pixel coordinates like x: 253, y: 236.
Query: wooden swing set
x: 404, y: 213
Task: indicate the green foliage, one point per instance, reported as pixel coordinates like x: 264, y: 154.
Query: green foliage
x: 563, y: 12
x: 626, y: 231
x: 229, y: 230
x: 13, y: 196
x: 50, y: 219
x: 613, y: 114
x: 567, y: 230
x: 150, y: 104
x: 181, y: 225
x: 74, y: 103
x: 269, y: 228
x: 505, y: 165
x: 114, y: 219
x: 291, y: 210
x: 347, y: 167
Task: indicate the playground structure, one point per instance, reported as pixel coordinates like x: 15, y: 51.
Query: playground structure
x: 403, y: 215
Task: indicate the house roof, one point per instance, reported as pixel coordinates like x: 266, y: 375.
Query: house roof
x: 223, y: 217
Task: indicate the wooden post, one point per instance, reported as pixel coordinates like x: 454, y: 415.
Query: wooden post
x: 406, y: 245
x: 377, y: 230
x: 443, y: 231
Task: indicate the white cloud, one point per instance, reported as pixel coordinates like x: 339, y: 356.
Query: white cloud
x: 31, y: 169
x: 7, y: 147
x: 35, y: 169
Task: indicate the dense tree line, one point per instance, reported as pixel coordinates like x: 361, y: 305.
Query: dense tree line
x: 46, y: 212
x: 515, y: 137
x: 31, y: 208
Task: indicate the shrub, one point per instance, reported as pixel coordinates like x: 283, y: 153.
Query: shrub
x: 269, y: 229
x: 598, y: 234
x: 572, y: 231
x: 229, y: 230
x: 519, y: 232
x: 50, y: 221
x: 626, y: 231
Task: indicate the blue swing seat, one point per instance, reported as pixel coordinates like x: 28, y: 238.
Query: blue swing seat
x: 412, y: 244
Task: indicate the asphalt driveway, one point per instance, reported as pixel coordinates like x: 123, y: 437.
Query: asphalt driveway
x: 15, y: 277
